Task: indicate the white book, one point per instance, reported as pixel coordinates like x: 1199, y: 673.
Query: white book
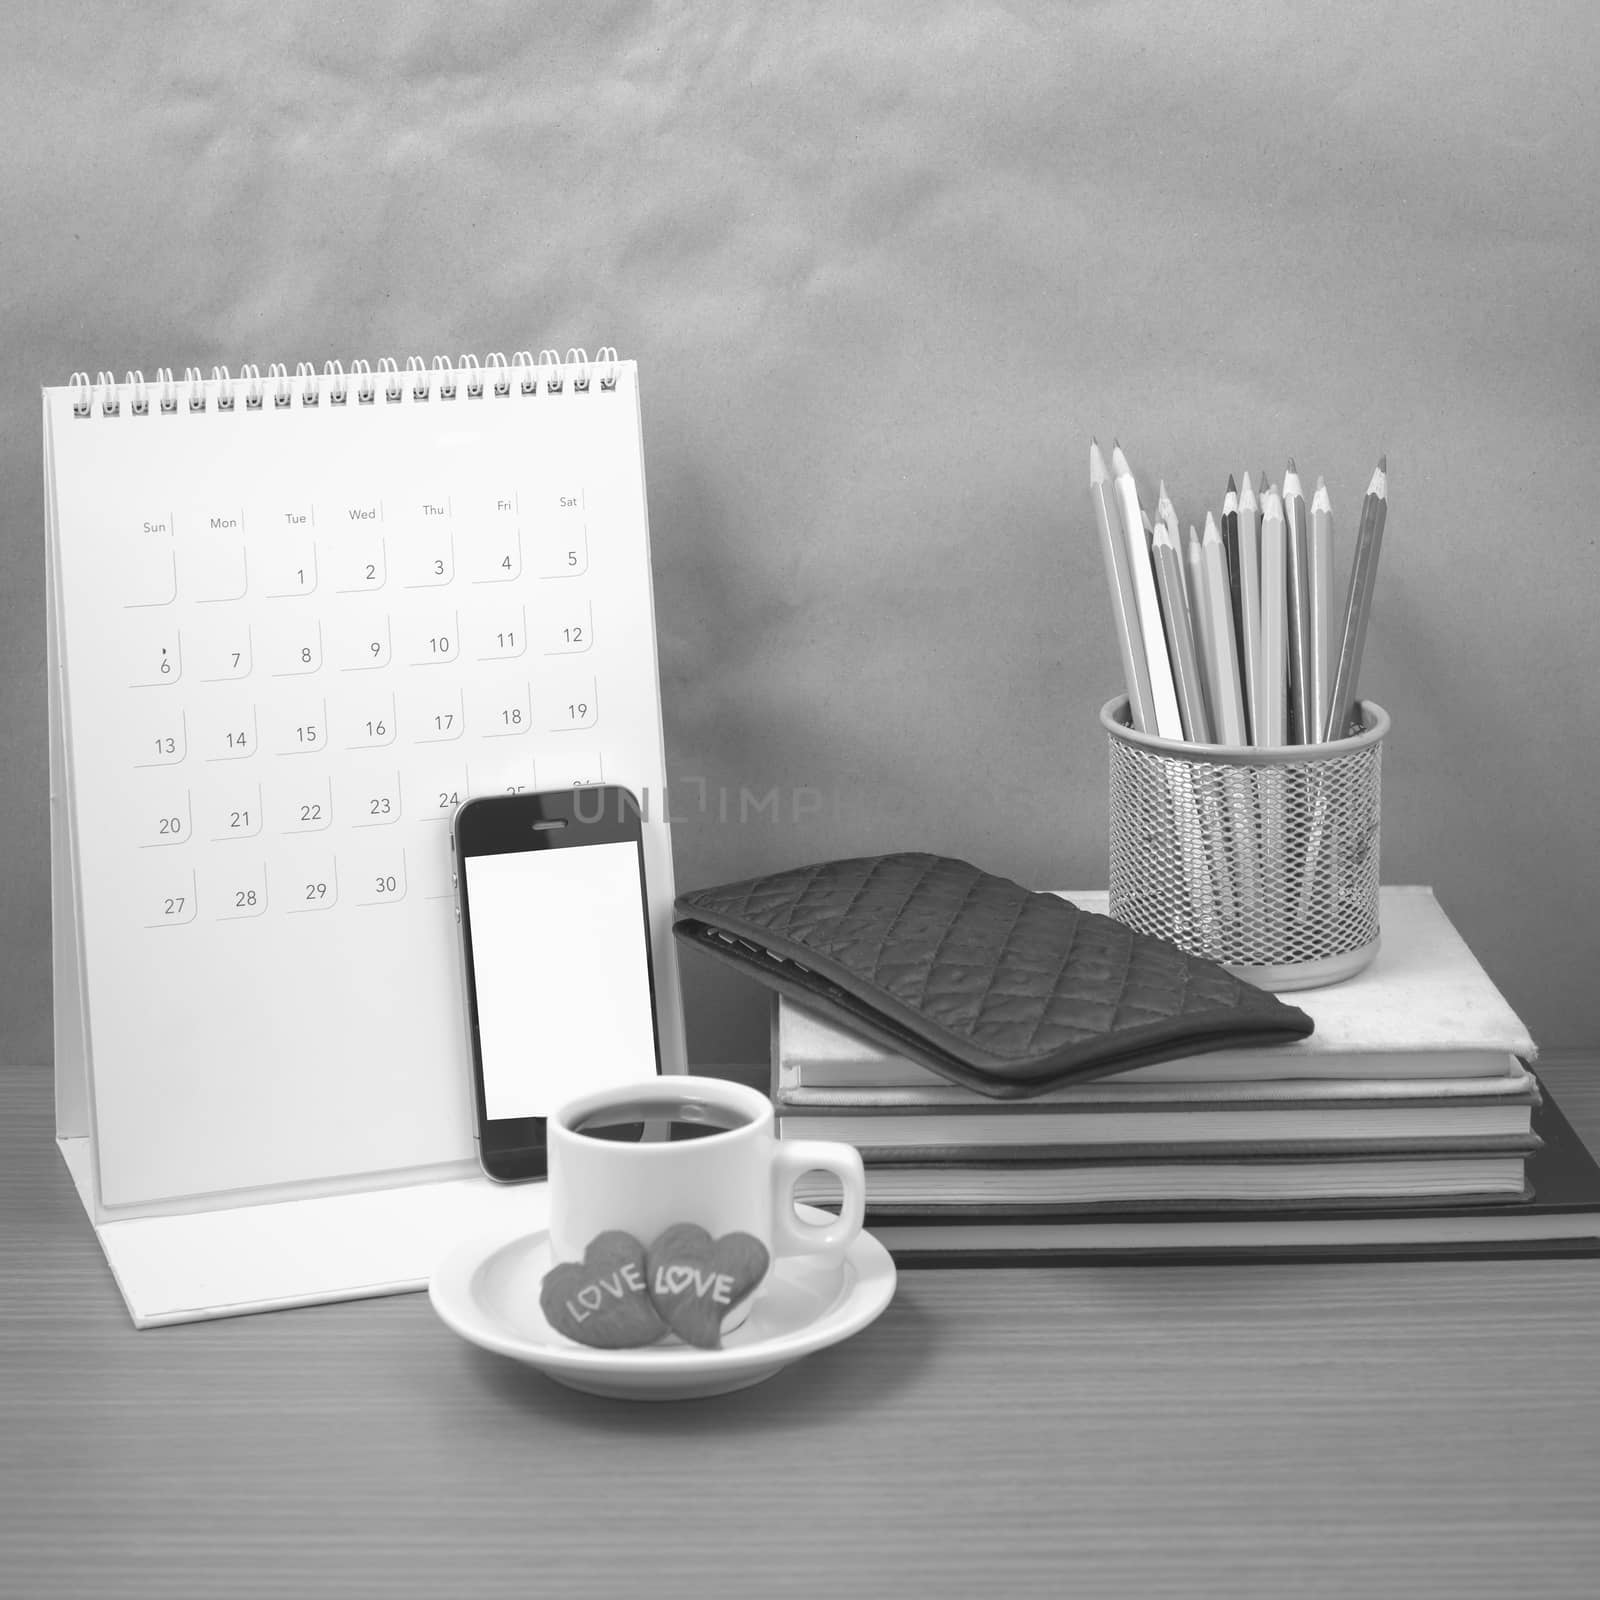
x: 1403, y: 1112
x: 1423, y: 1010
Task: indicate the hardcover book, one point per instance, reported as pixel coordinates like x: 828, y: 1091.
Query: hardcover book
x: 1424, y: 1009
x: 1559, y: 1215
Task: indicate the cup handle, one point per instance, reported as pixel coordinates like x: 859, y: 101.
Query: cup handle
x: 793, y: 1157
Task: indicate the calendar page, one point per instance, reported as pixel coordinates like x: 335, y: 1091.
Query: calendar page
x: 298, y: 623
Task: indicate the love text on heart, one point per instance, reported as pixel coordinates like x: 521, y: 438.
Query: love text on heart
x: 618, y: 1284
x: 677, y: 1278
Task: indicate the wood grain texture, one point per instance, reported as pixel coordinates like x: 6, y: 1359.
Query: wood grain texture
x: 1320, y: 1430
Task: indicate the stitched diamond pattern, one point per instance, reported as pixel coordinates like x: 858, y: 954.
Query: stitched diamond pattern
x: 981, y: 964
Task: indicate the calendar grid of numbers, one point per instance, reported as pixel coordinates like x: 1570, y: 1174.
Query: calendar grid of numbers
x: 298, y: 621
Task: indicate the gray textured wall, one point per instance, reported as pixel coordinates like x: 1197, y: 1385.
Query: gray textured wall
x: 883, y: 280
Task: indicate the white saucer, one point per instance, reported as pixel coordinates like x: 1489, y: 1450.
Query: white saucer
x: 488, y: 1292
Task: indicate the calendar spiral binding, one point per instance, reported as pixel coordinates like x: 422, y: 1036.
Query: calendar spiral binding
x: 389, y: 383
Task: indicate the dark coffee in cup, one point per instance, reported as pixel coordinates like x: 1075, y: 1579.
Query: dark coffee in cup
x: 679, y: 1151
x: 651, y: 1121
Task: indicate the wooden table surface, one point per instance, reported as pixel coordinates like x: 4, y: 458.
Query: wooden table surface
x: 1338, y: 1430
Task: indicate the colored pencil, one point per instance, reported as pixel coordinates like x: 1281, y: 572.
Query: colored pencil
x: 1249, y: 574
x: 1342, y: 701
x: 1302, y: 717
x: 1124, y: 604
x: 1200, y: 618
x: 1190, y: 546
x: 1272, y: 666
x: 1321, y: 548
x: 1168, y: 719
x: 1166, y: 513
x: 1230, y: 549
x: 1180, y: 635
x: 1222, y: 658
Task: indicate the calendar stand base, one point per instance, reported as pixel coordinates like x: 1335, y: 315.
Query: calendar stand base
x: 243, y: 1259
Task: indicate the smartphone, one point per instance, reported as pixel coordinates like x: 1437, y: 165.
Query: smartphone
x: 555, y: 947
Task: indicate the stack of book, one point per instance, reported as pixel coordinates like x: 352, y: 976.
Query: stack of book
x: 1408, y: 1121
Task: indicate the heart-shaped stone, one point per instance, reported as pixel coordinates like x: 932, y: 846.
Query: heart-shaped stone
x: 695, y: 1280
x: 603, y: 1300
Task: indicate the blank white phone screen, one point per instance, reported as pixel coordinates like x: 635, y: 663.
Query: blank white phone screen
x: 558, y: 957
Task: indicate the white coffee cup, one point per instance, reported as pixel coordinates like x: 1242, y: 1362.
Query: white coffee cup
x: 738, y: 1177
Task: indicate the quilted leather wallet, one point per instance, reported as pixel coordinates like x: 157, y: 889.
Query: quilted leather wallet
x: 990, y: 985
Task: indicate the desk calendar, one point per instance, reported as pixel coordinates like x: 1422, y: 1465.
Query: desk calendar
x: 294, y: 621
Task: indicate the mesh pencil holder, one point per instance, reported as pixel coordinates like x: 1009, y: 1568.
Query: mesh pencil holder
x: 1265, y: 860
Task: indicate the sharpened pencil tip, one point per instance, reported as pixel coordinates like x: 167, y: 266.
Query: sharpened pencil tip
x: 1383, y: 464
x: 1292, y: 467
x: 1233, y: 488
